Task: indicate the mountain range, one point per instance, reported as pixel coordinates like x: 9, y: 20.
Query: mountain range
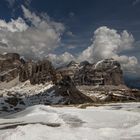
x: 25, y: 83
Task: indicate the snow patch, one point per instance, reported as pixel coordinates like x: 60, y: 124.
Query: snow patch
x: 102, y: 123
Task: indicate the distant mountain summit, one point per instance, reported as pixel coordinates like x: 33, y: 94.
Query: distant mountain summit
x: 72, y: 64
x: 104, y: 72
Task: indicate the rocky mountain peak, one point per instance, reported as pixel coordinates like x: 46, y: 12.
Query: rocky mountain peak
x: 104, y: 72
x: 72, y: 63
x: 9, y: 66
x: 107, y: 64
x: 37, y: 72
x: 84, y: 63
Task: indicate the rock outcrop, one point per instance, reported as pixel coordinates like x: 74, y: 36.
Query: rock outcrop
x: 67, y: 89
x: 37, y: 72
x: 105, y: 72
x: 9, y: 66
x: 12, y: 66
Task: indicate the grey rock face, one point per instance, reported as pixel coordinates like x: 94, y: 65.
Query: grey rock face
x: 9, y: 66
x: 37, y: 73
x: 71, y: 94
x: 105, y: 72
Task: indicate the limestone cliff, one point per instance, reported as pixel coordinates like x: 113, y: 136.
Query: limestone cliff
x: 104, y: 72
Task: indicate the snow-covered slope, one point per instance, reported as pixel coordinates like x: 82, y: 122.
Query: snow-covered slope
x: 24, y: 88
x: 111, y: 122
x: 10, y: 84
x: 24, y: 94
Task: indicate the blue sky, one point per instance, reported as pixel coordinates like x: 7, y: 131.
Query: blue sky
x: 82, y: 17
x: 79, y: 20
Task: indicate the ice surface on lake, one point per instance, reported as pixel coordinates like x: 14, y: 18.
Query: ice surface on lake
x: 110, y: 122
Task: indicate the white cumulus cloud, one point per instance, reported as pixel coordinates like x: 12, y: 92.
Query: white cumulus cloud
x: 108, y: 43
x: 17, y: 25
x: 58, y: 60
x: 37, y: 39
